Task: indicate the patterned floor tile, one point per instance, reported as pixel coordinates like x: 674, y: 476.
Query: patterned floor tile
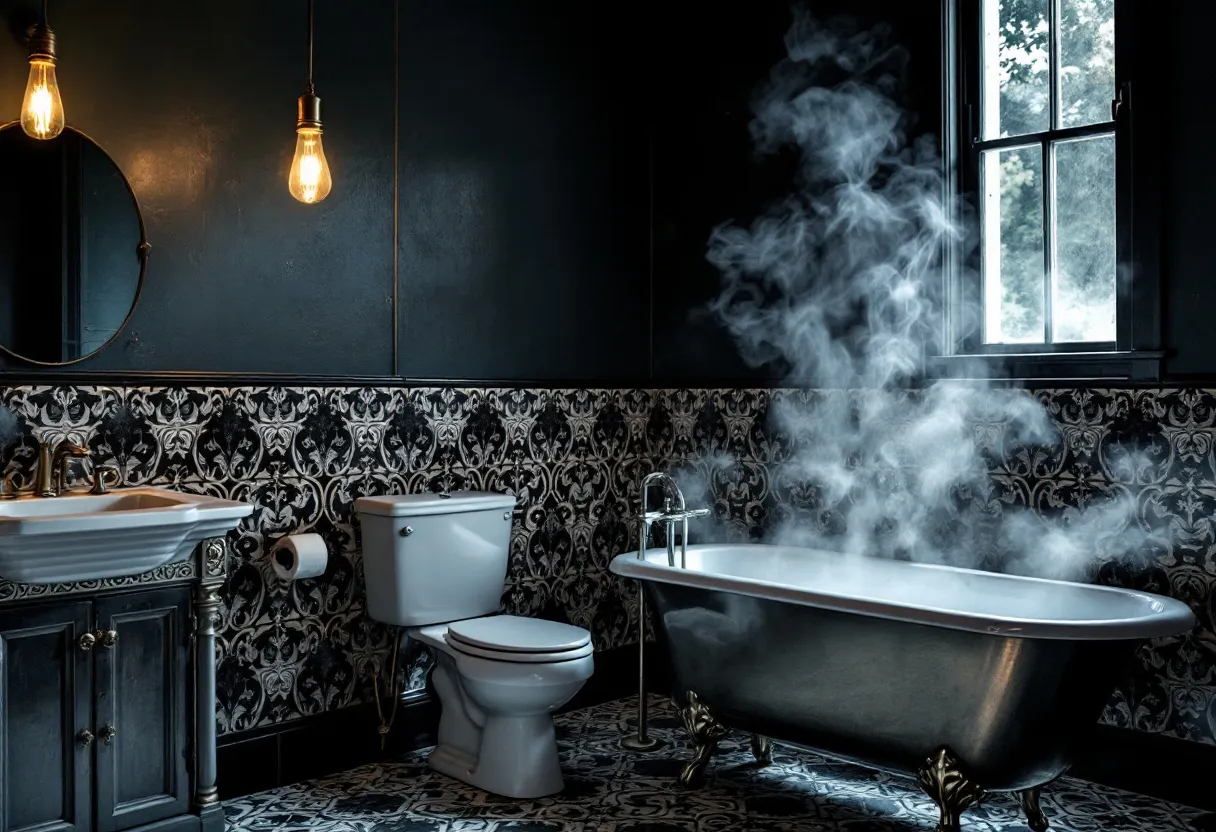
x: 609, y: 790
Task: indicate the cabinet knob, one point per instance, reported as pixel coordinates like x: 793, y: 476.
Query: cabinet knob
x: 85, y: 737
x: 108, y: 638
x: 87, y: 640
x: 407, y: 531
x: 107, y: 734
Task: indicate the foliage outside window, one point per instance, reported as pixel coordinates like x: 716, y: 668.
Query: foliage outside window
x: 1046, y: 168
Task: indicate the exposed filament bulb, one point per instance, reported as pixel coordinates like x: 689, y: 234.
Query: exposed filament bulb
x: 309, y: 180
x: 42, y: 108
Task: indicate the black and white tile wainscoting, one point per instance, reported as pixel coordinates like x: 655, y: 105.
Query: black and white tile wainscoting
x: 303, y: 455
x: 573, y: 458
x: 616, y: 791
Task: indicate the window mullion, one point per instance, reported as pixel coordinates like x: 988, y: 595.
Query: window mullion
x: 1049, y: 174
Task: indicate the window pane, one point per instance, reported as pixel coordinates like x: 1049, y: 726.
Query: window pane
x: 1087, y: 61
x: 1083, y: 300
x: 1012, y: 258
x: 1016, y: 67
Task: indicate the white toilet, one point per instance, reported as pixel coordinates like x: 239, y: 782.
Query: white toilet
x: 436, y: 564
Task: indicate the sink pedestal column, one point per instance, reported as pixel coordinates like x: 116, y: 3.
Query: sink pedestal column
x: 213, y: 571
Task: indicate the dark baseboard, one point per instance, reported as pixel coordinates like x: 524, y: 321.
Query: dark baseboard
x: 316, y: 746
x: 319, y: 745
x: 1179, y: 771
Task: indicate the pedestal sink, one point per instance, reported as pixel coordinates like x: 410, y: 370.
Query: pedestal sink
x: 86, y: 537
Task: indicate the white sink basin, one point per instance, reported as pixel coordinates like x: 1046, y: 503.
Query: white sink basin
x: 85, y: 537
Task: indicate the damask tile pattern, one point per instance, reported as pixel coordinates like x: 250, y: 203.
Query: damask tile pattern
x: 303, y: 455
x: 573, y: 459
x: 610, y: 790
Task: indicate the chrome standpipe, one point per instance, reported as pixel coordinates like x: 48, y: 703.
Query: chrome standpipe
x: 641, y: 740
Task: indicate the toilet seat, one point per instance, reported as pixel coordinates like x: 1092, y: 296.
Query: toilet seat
x: 510, y: 638
x: 517, y: 657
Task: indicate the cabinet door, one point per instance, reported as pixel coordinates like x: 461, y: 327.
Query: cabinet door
x: 141, y: 707
x: 45, y: 707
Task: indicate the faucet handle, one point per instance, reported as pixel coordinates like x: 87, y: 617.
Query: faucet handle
x: 65, y: 455
x: 100, y: 483
x: 9, y: 489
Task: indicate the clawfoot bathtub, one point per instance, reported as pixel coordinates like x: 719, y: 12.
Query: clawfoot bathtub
x: 972, y: 681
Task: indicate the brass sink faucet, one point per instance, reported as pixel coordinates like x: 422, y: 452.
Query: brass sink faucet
x: 50, y: 479
x: 51, y: 473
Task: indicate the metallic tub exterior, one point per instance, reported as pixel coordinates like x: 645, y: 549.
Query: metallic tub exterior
x: 889, y: 663
x: 887, y: 693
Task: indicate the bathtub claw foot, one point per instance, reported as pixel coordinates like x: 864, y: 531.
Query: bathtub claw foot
x: 705, y: 732
x: 942, y: 779
x: 1035, y: 818
x: 762, y: 749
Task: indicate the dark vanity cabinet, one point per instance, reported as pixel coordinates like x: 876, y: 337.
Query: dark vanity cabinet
x: 46, y: 701
x: 94, y: 698
x: 107, y: 708
x: 140, y: 708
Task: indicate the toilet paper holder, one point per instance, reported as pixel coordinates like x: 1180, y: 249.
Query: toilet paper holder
x: 296, y: 556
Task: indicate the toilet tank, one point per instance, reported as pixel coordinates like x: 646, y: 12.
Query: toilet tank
x: 431, y: 558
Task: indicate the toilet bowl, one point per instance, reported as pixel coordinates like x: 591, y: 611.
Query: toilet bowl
x: 496, y: 705
x: 435, y: 564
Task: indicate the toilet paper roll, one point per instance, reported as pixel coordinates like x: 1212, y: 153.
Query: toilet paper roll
x: 299, y: 556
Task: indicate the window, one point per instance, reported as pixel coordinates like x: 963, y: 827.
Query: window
x: 1038, y: 107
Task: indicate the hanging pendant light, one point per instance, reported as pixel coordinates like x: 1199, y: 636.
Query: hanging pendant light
x: 309, y: 180
x: 42, y: 108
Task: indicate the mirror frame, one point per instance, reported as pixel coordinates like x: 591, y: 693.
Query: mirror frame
x: 141, y: 250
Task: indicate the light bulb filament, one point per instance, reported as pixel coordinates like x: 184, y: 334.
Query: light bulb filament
x: 42, y: 110
x: 310, y: 171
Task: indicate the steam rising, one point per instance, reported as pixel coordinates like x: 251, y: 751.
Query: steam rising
x: 841, y: 282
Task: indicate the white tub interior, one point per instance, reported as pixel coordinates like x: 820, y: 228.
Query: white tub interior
x: 938, y: 595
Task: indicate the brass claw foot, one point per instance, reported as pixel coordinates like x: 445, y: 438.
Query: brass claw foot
x: 944, y: 782
x: 762, y: 749
x: 705, y: 731
x: 1035, y: 818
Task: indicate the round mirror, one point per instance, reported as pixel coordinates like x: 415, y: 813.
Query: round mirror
x: 72, y: 247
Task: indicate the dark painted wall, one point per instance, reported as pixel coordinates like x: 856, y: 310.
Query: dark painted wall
x: 531, y: 138
x: 706, y: 172
x: 196, y: 103
x: 524, y: 224
x: 1182, y: 54
x: 523, y: 186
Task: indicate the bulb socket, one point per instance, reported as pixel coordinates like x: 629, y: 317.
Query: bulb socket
x: 42, y: 42
x: 309, y: 111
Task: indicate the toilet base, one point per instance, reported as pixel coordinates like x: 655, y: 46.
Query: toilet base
x: 517, y: 758
x: 511, y: 754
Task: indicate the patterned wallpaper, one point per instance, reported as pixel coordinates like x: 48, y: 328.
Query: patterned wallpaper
x: 573, y: 458
x: 303, y: 455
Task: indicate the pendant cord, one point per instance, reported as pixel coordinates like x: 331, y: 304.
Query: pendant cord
x: 311, y: 89
x: 44, y: 2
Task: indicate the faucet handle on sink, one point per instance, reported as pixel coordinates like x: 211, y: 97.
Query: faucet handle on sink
x: 9, y: 489
x: 100, y: 483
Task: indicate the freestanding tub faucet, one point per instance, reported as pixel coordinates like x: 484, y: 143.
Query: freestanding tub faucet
x: 669, y: 514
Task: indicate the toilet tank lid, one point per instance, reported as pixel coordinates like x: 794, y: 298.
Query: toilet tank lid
x: 410, y: 505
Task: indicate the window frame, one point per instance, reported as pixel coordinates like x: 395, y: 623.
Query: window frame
x: 1135, y: 353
